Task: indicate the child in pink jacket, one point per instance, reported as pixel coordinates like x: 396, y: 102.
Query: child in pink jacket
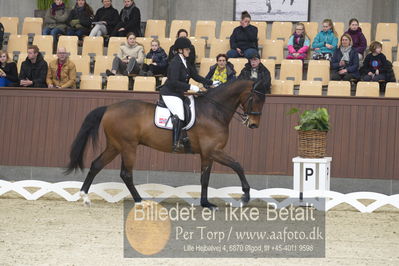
x: 298, y: 44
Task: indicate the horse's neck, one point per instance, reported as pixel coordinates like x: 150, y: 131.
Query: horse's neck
x: 223, y: 103
x: 230, y: 96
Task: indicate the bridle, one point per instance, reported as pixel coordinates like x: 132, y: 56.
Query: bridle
x: 248, y: 104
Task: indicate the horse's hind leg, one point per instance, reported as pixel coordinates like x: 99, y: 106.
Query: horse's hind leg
x: 96, y: 166
x: 206, y: 166
x: 128, y: 158
x: 224, y: 159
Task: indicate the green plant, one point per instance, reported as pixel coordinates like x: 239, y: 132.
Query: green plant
x: 312, y: 119
x: 45, y: 4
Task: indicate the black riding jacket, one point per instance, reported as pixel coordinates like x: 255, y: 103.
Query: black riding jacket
x: 179, y: 76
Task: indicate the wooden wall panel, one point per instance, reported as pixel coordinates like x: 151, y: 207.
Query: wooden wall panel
x: 37, y: 127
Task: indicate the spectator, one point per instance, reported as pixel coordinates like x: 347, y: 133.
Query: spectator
x: 325, y: 42
x: 55, y: 20
x: 130, y: 20
x: 129, y: 58
x: 244, y: 39
x: 173, y: 50
x: 157, y: 60
x: 33, y: 69
x: 8, y: 71
x: 80, y: 19
x: 62, y: 72
x: 345, y: 61
x: 1, y: 35
x: 358, y: 39
x: 375, y: 65
x: 255, y: 70
x: 105, y: 19
x: 299, y: 43
x: 222, y: 71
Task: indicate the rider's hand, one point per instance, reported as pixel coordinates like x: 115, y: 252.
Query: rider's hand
x: 194, y: 88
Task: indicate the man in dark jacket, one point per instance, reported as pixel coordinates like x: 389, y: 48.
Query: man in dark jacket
x: 172, y: 93
x: 255, y: 70
x: 130, y: 20
x: 34, y: 69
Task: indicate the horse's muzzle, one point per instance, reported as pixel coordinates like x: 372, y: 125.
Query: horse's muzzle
x: 252, y: 126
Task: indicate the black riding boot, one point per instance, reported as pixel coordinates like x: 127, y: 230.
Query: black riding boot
x: 177, y: 126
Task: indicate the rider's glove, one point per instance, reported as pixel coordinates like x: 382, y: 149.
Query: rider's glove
x: 216, y: 83
x: 194, y: 88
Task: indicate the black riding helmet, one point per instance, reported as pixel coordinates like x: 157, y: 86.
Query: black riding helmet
x: 182, y: 43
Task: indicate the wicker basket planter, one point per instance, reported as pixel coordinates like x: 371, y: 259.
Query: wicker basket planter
x: 312, y: 143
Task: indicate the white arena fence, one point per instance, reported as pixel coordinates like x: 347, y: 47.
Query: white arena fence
x: 185, y: 193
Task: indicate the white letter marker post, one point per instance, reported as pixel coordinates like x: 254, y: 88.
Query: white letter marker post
x: 311, y: 174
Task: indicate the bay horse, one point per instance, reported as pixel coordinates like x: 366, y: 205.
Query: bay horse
x: 131, y: 123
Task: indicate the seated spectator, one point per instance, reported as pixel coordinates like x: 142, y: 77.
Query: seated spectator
x: 376, y: 66
x: 299, y: 43
x: 358, y: 39
x: 33, y: 69
x: 222, y: 71
x: 325, y: 42
x: 244, y: 39
x: 345, y: 61
x: 255, y: 70
x: 8, y: 71
x: 129, y: 58
x: 80, y: 19
x: 55, y: 20
x: 61, y: 72
x: 130, y: 20
x: 156, y: 60
x: 105, y: 19
x: 173, y: 50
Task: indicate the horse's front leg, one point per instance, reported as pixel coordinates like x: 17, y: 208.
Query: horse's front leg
x: 222, y: 158
x: 206, y: 166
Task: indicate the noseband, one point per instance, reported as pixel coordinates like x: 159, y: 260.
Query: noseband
x: 249, y: 103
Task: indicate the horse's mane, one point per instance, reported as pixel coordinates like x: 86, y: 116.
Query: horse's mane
x: 217, y: 90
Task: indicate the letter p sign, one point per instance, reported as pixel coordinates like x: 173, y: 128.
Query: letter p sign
x: 308, y: 172
x: 309, y: 176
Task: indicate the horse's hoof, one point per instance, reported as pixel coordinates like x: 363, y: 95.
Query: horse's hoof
x: 245, y: 199
x: 209, y: 205
x: 144, y: 204
x: 86, y: 199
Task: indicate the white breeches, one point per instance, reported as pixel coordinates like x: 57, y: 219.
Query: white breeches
x: 175, y: 105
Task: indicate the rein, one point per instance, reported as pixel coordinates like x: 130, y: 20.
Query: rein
x: 248, y: 102
x: 243, y: 116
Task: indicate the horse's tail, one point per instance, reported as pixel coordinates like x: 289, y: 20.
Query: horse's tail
x: 89, y: 129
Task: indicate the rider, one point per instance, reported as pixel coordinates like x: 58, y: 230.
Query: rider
x: 179, y: 73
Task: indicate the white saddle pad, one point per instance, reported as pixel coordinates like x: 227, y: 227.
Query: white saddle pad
x: 162, y: 118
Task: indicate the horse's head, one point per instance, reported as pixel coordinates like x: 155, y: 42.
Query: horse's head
x: 252, y: 100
